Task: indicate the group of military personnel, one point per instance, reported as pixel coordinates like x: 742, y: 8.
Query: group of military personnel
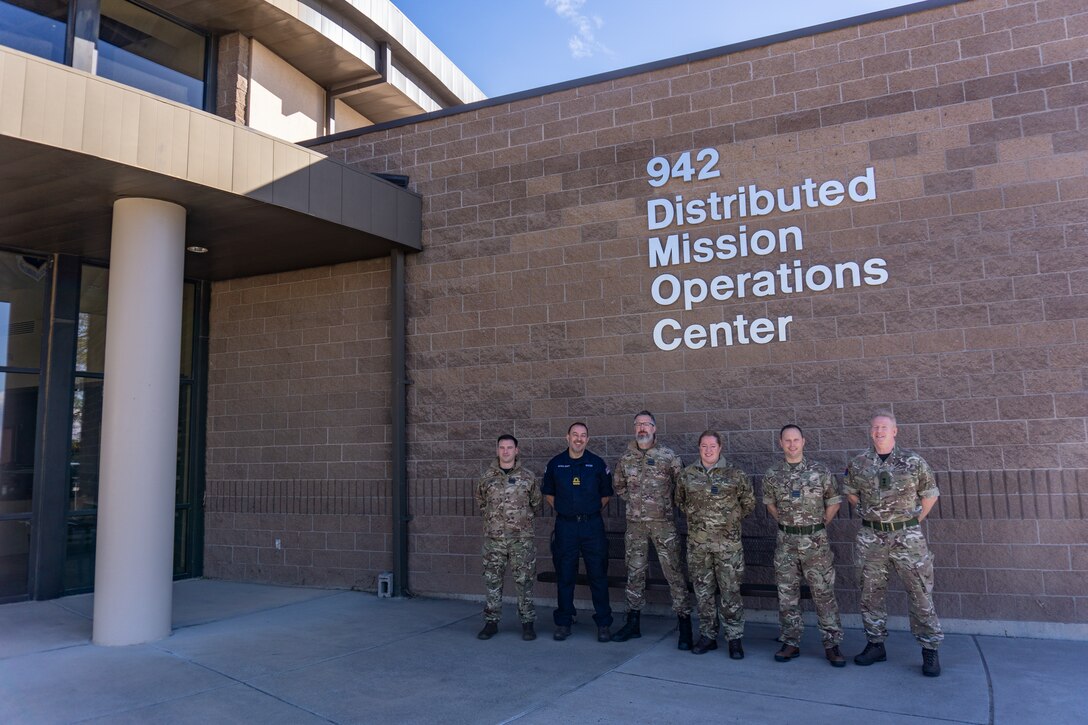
x: 893, y: 489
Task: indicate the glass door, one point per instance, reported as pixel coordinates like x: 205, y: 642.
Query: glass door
x: 81, y: 515
x: 24, y: 282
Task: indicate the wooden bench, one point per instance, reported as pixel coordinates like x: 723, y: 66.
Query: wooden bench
x: 758, y: 566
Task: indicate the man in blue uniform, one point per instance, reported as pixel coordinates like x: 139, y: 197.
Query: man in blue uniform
x: 578, y: 484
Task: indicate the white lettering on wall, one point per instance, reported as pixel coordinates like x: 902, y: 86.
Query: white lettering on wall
x: 679, y: 243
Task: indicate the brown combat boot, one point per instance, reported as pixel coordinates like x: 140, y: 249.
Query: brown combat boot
x: 528, y: 632
x: 834, y: 656
x: 787, y: 653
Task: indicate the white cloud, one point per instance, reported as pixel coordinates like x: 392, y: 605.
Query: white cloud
x: 583, y: 44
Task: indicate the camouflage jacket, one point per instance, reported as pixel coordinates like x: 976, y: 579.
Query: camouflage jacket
x: 507, y: 500
x: 890, y: 490
x: 714, y: 500
x: 647, y: 481
x: 800, y: 493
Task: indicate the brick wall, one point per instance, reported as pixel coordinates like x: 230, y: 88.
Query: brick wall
x: 530, y: 306
x: 232, y: 77
x: 298, y: 428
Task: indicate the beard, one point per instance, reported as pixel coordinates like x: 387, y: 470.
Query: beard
x: 643, y: 438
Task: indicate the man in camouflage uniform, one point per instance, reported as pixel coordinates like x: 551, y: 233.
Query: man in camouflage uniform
x: 645, y: 478
x: 894, y: 490
x: 715, y: 496
x: 800, y: 495
x: 507, y: 495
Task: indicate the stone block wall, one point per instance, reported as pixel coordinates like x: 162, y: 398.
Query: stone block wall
x: 532, y: 303
x: 298, y: 428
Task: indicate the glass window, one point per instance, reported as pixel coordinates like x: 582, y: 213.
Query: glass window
x: 86, y: 444
x: 188, y: 319
x: 144, y: 50
x: 23, y: 282
x: 38, y: 27
x: 18, y: 419
x: 79, y: 559
x: 91, y: 333
x: 181, y: 542
x: 14, y: 557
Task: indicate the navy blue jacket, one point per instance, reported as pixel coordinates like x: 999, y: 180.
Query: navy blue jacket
x: 578, y: 484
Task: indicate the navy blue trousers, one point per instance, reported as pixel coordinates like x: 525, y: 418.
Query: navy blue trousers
x: 587, y: 540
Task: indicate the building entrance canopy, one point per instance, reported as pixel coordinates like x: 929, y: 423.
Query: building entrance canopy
x: 71, y: 144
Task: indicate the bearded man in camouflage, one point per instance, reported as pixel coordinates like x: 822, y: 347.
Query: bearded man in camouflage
x: 894, y: 490
x: 645, y: 478
x: 507, y: 496
x: 800, y: 495
x: 715, y: 496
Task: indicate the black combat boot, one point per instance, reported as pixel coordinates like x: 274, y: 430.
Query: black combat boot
x: 630, y: 628
x: 873, y: 652
x: 684, y: 625
x: 704, y: 645
x: 489, y: 630
x: 528, y: 632
x: 736, y: 649
x: 931, y: 664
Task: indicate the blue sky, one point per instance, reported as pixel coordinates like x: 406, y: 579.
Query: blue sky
x: 506, y: 46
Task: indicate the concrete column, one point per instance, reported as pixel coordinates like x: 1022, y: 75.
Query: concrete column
x: 133, y: 592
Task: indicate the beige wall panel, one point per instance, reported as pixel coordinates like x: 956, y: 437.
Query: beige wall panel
x: 291, y: 187
x: 198, y: 168
x: 356, y: 200
x: 112, y: 120
x: 75, y: 111
x: 326, y: 180
x: 180, y: 117
x: 94, y: 120
x: 282, y: 101
x: 347, y: 118
x: 12, y: 92
x: 224, y: 158
x: 210, y: 148
x: 129, y: 126
x: 56, y: 103
x: 36, y: 92
x: 163, y: 135
x: 253, y: 165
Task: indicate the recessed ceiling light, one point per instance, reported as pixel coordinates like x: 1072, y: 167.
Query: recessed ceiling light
x: 197, y: 249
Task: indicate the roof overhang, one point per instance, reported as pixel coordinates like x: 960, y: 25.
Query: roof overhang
x: 337, y: 42
x: 71, y: 144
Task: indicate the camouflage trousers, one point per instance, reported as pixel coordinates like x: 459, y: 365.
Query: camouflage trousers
x: 905, y: 551
x: 716, y: 569
x: 637, y: 547
x: 521, y: 555
x: 806, y: 557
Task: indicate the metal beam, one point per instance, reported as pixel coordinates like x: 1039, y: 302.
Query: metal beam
x: 401, y: 517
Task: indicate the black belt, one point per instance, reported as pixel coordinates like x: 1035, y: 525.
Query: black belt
x: 893, y: 526
x: 802, y: 530
x: 579, y: 517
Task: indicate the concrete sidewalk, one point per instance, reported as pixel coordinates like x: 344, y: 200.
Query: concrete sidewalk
x: 254, y: 653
